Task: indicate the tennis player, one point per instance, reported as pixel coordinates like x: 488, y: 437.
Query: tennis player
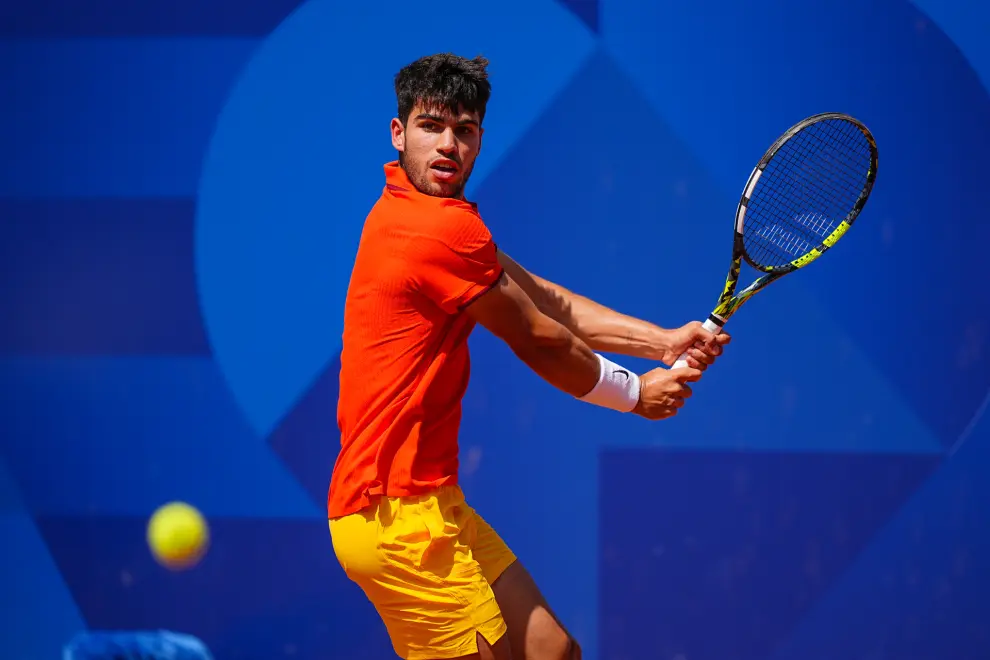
x: 427, y: 271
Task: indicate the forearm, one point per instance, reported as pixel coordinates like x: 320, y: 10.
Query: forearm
x: 551, y: 350
x: 601, y: 328
x: 560, y: 357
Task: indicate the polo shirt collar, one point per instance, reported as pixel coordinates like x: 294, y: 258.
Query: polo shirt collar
x: 396, y: 180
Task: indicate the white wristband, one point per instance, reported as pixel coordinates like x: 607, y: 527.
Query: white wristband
x: 617, y: 387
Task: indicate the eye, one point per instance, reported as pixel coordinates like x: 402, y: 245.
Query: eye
x: 464, y: 130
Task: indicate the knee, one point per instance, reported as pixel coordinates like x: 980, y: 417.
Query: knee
x: 558, y: 645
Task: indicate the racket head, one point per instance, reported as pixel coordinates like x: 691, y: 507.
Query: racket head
x: 805, y: 192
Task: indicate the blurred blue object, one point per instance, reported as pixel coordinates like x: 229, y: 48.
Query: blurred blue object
x: 135, y: 645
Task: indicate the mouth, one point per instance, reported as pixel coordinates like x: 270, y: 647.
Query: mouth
x: 444, y: 169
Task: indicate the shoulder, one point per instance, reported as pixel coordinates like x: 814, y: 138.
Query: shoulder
x: 417, y: 218
x: 456, y: 223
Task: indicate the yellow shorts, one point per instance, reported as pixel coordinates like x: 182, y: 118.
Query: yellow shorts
x: 427, y: 564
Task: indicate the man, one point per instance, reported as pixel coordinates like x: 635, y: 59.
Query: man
x: 427, y: 271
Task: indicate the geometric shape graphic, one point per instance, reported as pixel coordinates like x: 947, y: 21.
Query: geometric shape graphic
x: 967, y: 23
x: 658, y: 194
x: 99, y: 276
x: 10, y: 496
x: 586, y: 10
x: 266, y: 589
x: 111, y: 117
x: 308, y: 438
x: 730, y: 550
x: 915, y: 263
x: 919, y: 590
x: 759, y: 400
x: 39, y: 613
x: 295, y: 165
x: 624, y: 210
x: 55, y: 19
x: 132, y: 433
x: 180, y: 183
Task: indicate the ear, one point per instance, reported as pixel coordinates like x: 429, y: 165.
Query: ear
x: 398, y: 135
x: 481, y: 135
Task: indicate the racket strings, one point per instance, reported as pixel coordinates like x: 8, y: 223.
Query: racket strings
x: 839, y: 176
x: 825, y: 183
x: 809, y: 186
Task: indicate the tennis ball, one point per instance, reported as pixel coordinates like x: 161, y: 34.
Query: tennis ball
x: 178, y: 535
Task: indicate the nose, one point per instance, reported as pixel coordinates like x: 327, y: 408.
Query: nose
x: 447, y: 144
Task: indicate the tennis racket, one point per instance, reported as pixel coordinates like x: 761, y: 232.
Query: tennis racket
x: 802, y: 197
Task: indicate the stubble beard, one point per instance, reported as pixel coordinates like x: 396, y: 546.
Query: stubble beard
x: 421, y: 180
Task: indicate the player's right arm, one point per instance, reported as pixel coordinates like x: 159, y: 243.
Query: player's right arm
x: 565, y: 361
x: 454, y: 262
x: 549, y: 348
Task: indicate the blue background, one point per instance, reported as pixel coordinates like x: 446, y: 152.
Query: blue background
x: 182, y: 188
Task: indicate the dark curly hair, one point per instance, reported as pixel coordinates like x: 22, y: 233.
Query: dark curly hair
x: 443, y: 81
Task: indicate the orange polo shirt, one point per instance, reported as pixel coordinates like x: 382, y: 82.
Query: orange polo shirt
x: 405, y: 364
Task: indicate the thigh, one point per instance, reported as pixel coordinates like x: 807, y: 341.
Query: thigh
x: 410, y: 557
x: 534, y: 631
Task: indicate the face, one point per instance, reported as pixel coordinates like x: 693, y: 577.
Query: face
x: 437, y: 149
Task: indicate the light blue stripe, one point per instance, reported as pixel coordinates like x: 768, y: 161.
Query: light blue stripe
x: 111, y: 117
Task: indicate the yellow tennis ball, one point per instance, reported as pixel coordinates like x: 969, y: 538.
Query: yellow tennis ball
x: 178, y: 535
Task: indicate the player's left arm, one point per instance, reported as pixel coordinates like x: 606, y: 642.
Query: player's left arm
x: 608, y: 331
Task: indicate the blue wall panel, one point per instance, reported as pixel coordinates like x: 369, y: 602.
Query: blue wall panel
x: 180, y: 201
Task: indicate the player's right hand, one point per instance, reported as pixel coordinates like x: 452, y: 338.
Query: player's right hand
x: 663, y: 391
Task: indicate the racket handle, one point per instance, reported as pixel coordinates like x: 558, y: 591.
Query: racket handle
x: 709, y: 325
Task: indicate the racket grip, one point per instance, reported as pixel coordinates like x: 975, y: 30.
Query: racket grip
x: 709, y: 325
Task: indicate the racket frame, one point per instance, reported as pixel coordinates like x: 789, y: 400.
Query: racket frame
x: 730, y: 301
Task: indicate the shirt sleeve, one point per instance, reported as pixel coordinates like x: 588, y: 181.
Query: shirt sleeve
x: 455, y: 259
